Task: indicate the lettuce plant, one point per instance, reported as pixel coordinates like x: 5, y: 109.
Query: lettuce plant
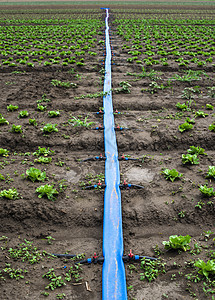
x: 211, y: 172
x: 171, y: 174
x: 4, y: 152
x: 54, y: 114
x: 1, y: 177
x: 47, y: 190
x: 23, y: 114
x: 49, y: 128
x: 205, y: 269
x: 35, y: 174
x: 3, y: 120
x: 43, y: 160
x: 206, y: 191
x: 196, y: 150
x: 212, y: 127
x: 11, y: 194
x: 16, y: 128
x: 209, y: 106
x: 41, y: 107
x: 185, y: 126
x: 200, y: 114
x: 43, y: 151
x: 190, y: 159
x: 32, y: 122
x: 177, y: 242
x: 12, y: 107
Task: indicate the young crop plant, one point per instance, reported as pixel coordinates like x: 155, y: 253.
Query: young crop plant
x: 200, y: 114
x: 212, y: 127
x: 211, y: 172
x: 12, y: 107
x: 47, y: 190
x: 124, y: 88
x: 206, y: 191
x: 206, y: 269
x: 78, y: 122
x: 44, y: 99
x: 59, y: 83
x: 196, y: 150
x: 11, y: 194
x: 33, y: 122
x: 171, y: 174
x: 14, y: 273
x: 3, y: 120
x: 35, y: 174
x: 185, y: 126
x: 53, y: 114
x: 23, y: 114
x: 41, y: 107
x: 2, y: 178
x: 184, y: 106
x: 16, y: 128
x: 43, y: 160
x: 178, y: 242
x: 27, y: 252
x: 49, y: 128
x: 188, y: 93
x: 209, y: 106
x: 4, y: 152
x: 153, y: 87
x: 211, y: 91
x: 55, y: 281
x: 43, y: 151
x: 190, y: 159
x: 151, y: 269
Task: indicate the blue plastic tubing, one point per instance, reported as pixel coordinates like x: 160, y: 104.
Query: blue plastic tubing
x: 113, y: 272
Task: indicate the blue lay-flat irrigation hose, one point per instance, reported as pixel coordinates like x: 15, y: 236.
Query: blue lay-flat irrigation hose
x: 113, y: 273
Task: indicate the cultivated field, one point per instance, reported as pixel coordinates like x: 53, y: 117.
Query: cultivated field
x: 163, y: 86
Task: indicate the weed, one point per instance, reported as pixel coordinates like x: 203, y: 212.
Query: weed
x: 43, y: 151
x: 50, y: 239
x: 14, y: 273
x: 124, y: 88
x: 59, y: 83
x: 56, y: 281
x: 43, y: 160
x: 78, y: 122
x: 151, y: 269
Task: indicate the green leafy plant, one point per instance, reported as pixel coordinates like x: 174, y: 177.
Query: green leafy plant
x: 153, y: 87
x: 3, y: 120
x: 206, y: 269
x: 11, y: 194
x: 200, y: 114
x: 211, y: 172
x: 50, y: 239
x: 206, y: 191
x: 189, y: 76
x: 4, y: 152
x: 59, y: 83
x: 212, y: 127
x: 2, y: 178
x: 171, y: 174
x: 96, y: 95
x: 177, y: 242
x: 43, y: 151
x: 23, y: 114
x: 78, y: 122
x: 47, y: 190
x: 209, y: 106
x: 196, y: 150
x: 12, y: 107
x: 33, y: 122
x: 14, y: 273
x: 49, y: 128
x: 26, y: 251
x: 151, y: 268
x: 16, y: 128
x: 44, y: 99
x: 41, y: 107
x: 190, y: 159
x: 53, y: 114
x: 55, y: 281
x: 185, y: 126
x: 35, y: 174
x: 43, y: 160
x: 124, y: 88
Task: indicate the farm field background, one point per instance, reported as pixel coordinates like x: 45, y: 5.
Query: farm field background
x: 52, y: 72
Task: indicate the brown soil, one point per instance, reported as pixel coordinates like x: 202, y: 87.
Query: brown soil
x: 74, y: 219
